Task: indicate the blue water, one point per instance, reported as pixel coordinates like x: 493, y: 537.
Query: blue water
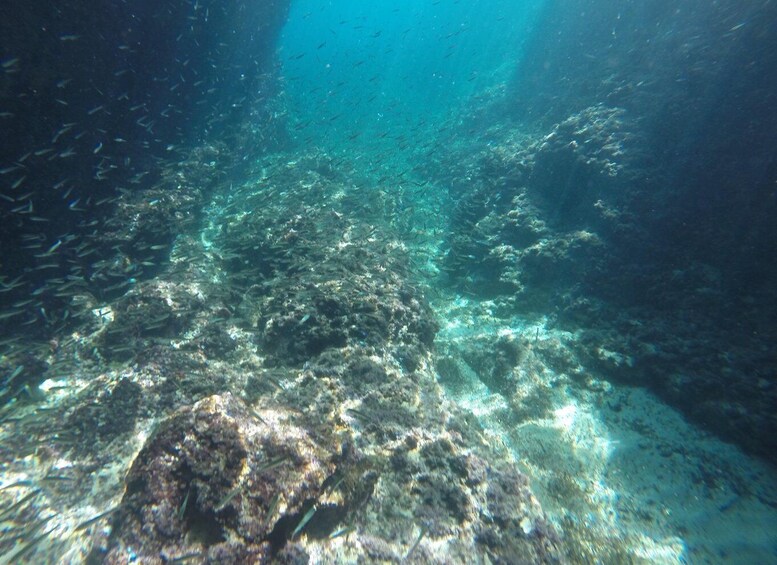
x: 353, y: 72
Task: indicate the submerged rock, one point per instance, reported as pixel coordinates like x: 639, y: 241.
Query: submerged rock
x: 221, y: 481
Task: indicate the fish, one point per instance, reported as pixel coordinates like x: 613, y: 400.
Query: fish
x: 182, y: 509
x: 344, y: 531
x: 304, y: 522
x: 271, y: 508
x: 57, y: 477
x: 10, y: 510
x: 16, y: 373
x: 11, y: 314
x: 15, y: 557
x: 187, y: 557
x: 53, y: 248
x: 359, y: 414
x: 229, y: 496
x: 421, y: 536
x: 273, y: 463
x: 17, y: 484
x: 26, y: 209
x: 96, y: 518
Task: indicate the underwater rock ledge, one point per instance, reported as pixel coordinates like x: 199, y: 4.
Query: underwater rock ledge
x: 300, y: 418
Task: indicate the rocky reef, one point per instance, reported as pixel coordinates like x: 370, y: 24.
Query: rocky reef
x: 433, y: 342
x: 574, y: 225
x: 543, y: 212
x: 269, y: 395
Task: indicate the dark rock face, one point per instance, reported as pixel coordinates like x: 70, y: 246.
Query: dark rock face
x: 546, y: 214
x: 219, y: 480
x: 601, y: 224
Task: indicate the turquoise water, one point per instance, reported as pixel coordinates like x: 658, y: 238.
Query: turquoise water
x: 355, y: 73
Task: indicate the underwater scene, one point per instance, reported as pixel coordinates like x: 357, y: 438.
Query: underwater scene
x: 388, y: 281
